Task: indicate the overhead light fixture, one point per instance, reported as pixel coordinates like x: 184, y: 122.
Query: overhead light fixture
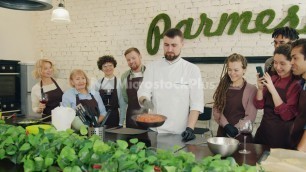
x: 27, y: 5
x: 60, y: 14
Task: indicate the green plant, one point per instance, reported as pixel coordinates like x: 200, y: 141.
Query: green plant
x: 50, y: 150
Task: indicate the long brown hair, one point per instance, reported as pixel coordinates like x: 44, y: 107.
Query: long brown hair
x: 225, y: 81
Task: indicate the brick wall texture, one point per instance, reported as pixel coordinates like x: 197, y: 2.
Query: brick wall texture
x: 100, y: 27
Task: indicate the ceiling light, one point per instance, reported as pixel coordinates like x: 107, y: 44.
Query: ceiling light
x: 27, y: 5
x: 60, y: 14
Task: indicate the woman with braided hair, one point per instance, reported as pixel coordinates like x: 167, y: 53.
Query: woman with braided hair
x: 233, y: 99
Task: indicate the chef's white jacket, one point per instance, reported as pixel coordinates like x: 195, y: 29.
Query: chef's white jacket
x: 175, y: 88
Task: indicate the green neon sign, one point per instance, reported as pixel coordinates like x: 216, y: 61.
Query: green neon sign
x: 262, y: 24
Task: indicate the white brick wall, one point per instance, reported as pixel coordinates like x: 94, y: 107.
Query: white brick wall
x: 102, y: 27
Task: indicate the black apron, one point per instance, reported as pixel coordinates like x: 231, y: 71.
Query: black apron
x: 91, y: 105
x: 111, y: 102
x: 234, y: 111
x: 273, y: 130
x: 297, y: 130
x: 133, y: 104
x: 54, y: 99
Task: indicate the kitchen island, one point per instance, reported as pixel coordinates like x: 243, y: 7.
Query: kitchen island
x: 168, y: 141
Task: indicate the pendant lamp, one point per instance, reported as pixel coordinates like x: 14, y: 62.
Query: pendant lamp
x: 27, y: 5
x: 60, y: 14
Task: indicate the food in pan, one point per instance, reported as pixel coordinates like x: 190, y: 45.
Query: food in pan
x: 150, y: 118
x: 27, y: 122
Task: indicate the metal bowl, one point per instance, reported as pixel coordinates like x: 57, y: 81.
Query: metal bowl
x: 222, y: 145
x: 149, y: 124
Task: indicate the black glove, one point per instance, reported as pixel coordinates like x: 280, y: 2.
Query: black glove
x: 231, y: 130
x: 147, y: 104
x: 188, y: 134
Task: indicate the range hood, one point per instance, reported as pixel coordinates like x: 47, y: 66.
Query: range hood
x: 27, y: 5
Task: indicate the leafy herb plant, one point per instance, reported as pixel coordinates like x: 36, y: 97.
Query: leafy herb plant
x: 52, y: 150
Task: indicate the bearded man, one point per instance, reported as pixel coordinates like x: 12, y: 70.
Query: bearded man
x: 131, y: 79
x: 173, y: 87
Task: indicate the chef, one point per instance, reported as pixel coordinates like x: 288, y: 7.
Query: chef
x: 298, y: 62
x: 173, y: 87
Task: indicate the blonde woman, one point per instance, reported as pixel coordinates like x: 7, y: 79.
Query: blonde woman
x: 80, y: 94
x: 233, y: 99
x: 47, y: 88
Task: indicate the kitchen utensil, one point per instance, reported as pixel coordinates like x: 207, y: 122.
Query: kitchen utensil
x: 26, y: 122
x: 222, y: 145
x: 82, y: 115
x: 106, y: 117
x: 11, y: 116
x: 126, y: 131
x: 96, y: 130
x: 92, y: 117
x: 205, y: 142
x: 149, y: 120
x: 87, y: 115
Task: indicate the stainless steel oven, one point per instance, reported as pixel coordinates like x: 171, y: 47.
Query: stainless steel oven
x: 10, y: 86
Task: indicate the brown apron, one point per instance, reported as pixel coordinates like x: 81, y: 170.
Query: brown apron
x: 131, y: 90
x: 54, y: 99
x: 273, y: 131
x: 111, y: 102
x: 234, y: 111
x: 91, y: 104
x: 299, y: 122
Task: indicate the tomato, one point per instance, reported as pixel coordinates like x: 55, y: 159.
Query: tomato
x: 157, y: 169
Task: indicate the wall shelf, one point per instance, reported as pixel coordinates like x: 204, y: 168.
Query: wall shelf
x: 220, y: 60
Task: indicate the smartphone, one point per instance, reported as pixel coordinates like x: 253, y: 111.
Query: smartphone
x: 260, y: 71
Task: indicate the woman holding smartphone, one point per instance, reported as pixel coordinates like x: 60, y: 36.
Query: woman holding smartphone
x: 233, y: 99
x: 278, y: 96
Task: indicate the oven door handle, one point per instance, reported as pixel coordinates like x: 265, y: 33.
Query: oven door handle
x: 9, y: 73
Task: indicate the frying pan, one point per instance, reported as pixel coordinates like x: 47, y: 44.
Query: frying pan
x: 149, y: 123
x: 27, y: 122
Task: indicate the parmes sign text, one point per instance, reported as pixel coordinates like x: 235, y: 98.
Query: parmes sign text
x: 262, y: 24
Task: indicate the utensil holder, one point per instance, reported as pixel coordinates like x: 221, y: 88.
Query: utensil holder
x: 97, y: 131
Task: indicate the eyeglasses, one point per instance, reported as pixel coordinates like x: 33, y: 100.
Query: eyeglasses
x: 106, y: 66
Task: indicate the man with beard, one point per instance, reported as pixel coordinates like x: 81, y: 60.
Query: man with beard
x: 131, y: 80
x: 173, y: 87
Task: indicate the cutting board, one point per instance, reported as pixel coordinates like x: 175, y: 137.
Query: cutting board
x: 126, y: 131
